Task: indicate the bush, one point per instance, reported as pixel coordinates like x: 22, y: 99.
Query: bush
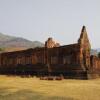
x: 1, y: 49
x: 99, y: 54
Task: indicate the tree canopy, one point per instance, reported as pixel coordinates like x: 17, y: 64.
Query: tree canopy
x: 1, y: 49
x: 99, y: 54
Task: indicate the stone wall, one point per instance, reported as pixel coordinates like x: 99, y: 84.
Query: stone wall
x: 95, y: 63
x: 73, y: 61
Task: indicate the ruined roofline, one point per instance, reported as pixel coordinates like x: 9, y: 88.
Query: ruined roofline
x: 83, y: 31
x: 83, y: 40
x: 69, y: 45
x: 83, y: 28
x: 21, y: 51
x: 57, y: 45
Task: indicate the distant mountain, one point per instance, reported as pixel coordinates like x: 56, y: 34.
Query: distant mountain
x: 17, y: 43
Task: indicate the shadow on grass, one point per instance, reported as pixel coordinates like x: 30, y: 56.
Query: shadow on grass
x: 28, y: 95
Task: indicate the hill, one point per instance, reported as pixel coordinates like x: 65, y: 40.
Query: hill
x: 17, y: 43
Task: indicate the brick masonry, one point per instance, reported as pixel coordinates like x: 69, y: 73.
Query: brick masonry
x: 69, y: 61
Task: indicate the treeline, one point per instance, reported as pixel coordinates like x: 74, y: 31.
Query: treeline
x: 99, y: 54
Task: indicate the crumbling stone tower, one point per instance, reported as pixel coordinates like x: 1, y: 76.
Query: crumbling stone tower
x: 85, y: 48
x: 50, y: 43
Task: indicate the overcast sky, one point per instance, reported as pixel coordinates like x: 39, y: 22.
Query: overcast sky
x: 60, y: 19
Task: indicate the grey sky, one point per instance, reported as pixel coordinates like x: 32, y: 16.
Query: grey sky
x: 60, y: 19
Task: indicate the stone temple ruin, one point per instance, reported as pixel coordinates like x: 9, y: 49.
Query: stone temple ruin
x: 70, y: 61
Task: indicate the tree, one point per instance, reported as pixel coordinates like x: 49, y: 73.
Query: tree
x: 1, y: 49
x: 99, y: 54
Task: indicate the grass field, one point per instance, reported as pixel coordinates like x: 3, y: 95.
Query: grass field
x: 17, y: 88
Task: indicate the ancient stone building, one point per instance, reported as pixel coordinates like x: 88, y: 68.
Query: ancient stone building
x: 71, y: 61
x: 50, y: 43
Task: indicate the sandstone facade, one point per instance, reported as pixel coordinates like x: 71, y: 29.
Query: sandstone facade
x: 71, y: 61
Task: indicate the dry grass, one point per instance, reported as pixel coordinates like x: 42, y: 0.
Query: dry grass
x: 16, y: 88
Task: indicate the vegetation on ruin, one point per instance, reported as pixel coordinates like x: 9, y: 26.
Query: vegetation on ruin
x: 17, y: 88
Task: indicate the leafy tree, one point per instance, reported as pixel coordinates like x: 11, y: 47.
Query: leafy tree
x: 99, y: 54
x: 1, y: 49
